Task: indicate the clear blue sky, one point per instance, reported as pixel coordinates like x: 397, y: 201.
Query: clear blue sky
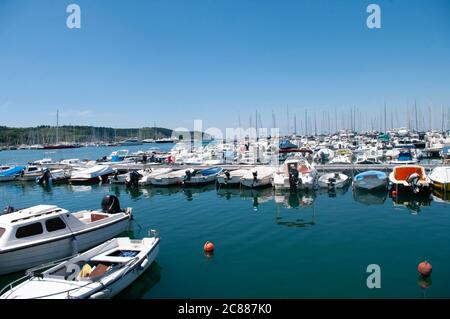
x: 134, y: 63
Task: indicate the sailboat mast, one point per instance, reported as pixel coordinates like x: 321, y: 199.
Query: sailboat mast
x: 57, y: 126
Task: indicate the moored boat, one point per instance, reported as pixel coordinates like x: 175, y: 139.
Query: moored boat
x: 92, y: 175
x: 99, y: 273
x: 231, y: 177
x: 295, y: 173
x: 202, y: 176
x: 333, y: 180
x: 172, y: 178
x: 42, y: 233
x: 370, y: 180
x: 10, y: 173
x: 30, y: 173
x: 409, y: 178
x: 258, y: 177
x: 440, y: 178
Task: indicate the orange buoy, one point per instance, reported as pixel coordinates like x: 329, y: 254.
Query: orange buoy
x: 394, y: 193
x: 208, y: 247
x: 425, y: 268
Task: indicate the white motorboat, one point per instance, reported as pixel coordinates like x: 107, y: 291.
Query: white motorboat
x: 10, y: 173
x: 323, y: 155
x: 258, y: 176
x: 295, y: 173
x: 42, y: 233
x: 99, y: 273
x: 333, y: 180
x: 440, y: 177
x: 151, y: 173
x: 53, y: 176
x: 92, y: 175
x: 232, y: 177
x: 409, y: 178
x: 171, y: 178
x: 341, y: 159
x: 30, y: 173
x: 202, y: 176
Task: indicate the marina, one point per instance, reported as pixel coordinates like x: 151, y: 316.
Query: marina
x: 287, y: 204
x: 250, y: 151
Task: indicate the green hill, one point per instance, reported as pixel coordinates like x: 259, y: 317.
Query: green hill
x: 80, y: 134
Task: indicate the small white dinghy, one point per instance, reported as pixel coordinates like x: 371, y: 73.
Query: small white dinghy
x: 99, y: 273
x: 258, y: 177
x: 333, y: 180
x: 231, y: 177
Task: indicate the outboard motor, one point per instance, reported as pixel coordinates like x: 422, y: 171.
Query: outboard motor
x: 8, y: 210
x: 133, y: 180
x: 227, y: 174
x: 45, y: 178
x: 293, y: 179
x: 116, y: 173
x: 255, y: 175
x: 413, y: 181
x: 188, y: 175
x: 111, y: 204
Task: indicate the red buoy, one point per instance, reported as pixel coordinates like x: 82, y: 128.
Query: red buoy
x: 208, y: 247
x: 394, y: 193
x: 425, y: 268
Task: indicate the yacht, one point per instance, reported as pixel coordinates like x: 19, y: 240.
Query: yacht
x: 295, y: 173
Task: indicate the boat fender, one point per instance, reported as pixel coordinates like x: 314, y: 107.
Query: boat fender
x: 104, y: 294
x: 143, y: 264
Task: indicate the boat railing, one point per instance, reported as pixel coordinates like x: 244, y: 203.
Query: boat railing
x: 12, y: 284
x: 33, y: 272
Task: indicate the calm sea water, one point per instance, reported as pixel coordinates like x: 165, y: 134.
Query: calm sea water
x: 268, y: 245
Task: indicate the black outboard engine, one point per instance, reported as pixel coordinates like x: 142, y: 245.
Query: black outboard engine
x: 227, y: 174
x: 255, y: 176
x: 45, y: 178
x: 413, y: 181
x: 8, y: 210
x: 293, y: 179
x: 133, y: 180
x: 188, y: 175
x: 111, y: 204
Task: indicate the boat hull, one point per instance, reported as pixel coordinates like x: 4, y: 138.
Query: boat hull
x: 30, y: 256
x: 371, y: 184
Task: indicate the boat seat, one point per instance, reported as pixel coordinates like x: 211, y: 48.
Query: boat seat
x: 403, y: 173
x: 99, y: 270
x: 95, y: 217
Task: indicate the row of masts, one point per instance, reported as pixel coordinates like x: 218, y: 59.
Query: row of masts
x: 356, y: 120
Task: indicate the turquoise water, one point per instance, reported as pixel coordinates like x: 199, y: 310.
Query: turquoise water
x: 271, y: 245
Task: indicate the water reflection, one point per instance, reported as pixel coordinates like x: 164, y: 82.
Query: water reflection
x: 141, y: 288
x: 334, y: 192
x: 257, y: 196
x: 412, y: 202
x: 295, y: 209
x: 370, y: 197
x: 192, y: 191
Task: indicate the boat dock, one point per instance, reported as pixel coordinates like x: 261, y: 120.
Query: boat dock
x: 320, y: 167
